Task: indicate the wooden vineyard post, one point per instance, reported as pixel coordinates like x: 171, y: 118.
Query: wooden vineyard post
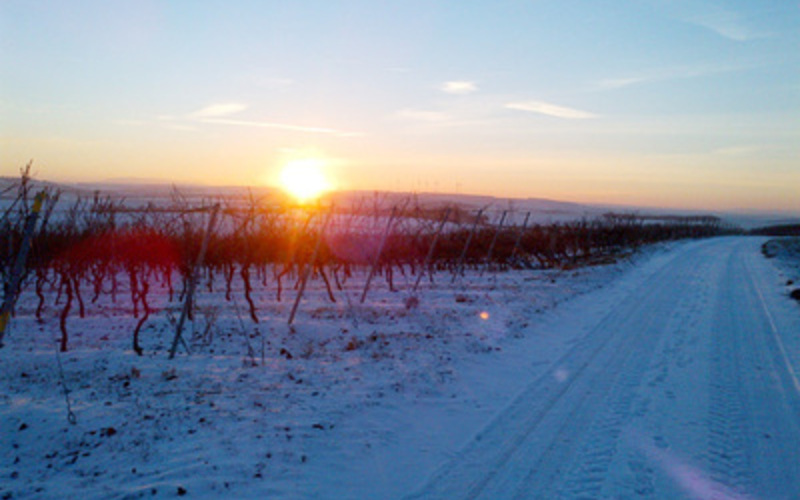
x: 377, y: 258
x: 460, y: 264
x: 494, y: 240
x: 309, y: 269
x: 187, y: 302
x: 519, y: 236
x: 431, y: 249
x: 12, y: 287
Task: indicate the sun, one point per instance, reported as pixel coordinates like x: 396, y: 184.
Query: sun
x: 305, y: 179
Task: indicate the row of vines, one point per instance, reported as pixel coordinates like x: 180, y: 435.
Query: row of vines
x: 86, y: 248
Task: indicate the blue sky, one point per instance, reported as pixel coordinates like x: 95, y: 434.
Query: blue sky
x: 691, y: 104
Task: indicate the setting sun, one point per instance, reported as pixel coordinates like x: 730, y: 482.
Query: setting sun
x: 304, y: 179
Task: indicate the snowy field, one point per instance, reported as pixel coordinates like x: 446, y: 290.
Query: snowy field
x: 672, y: 374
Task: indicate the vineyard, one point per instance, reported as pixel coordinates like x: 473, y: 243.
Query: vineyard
x: 73, y: 253
x: 298, y: 329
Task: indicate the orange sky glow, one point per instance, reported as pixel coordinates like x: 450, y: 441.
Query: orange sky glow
x: 496, y: 98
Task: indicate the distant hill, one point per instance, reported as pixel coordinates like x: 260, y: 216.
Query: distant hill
x: 542, y: 211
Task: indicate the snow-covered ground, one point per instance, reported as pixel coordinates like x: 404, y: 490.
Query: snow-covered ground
x: 785, y: 253
x: 683, y: 385
x: 669, y: 375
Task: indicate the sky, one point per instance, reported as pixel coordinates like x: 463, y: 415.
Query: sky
x: 681, y: 104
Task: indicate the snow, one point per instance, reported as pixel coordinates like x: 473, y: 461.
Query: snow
x: 678, y: 391
x: 660, y: 376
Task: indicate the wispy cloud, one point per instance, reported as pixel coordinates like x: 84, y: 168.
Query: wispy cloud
x: 726, y: 23
x: 180, y: 127
x: 459, y: 87
x: 280, y: 126
x: 422, y: 115
x: 129, y: 122
x: 220, y: 114
x: 671, y: 73
x: 618, y: 83
x: 736, y: 151
x: 218, y: 109
x: 269, y: 82
x: 548, y: 109
x: 165, y: 121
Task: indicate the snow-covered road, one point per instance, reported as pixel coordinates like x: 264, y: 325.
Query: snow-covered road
x: 682, y: 383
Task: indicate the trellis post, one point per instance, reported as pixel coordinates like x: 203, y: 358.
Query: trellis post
x: 192, y: 284
x: 377, y: 258
x: 19, y: 264
x: 431, y: 249
x: 310, y: 268
x: 460, y: 264
x: 494, y: 241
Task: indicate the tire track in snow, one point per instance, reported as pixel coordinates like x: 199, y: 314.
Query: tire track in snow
x: 589, y: 475
x: 727, y: 419
x: 589, y: 472
x: 611, y: 389
x: 754, y: 433
x: 524, y: 449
